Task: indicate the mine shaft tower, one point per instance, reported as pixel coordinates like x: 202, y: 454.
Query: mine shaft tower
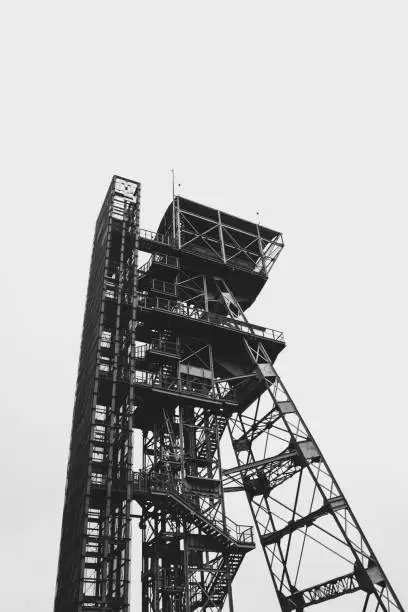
x: 167, y: 350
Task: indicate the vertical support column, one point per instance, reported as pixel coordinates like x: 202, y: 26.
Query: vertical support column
x: 133, y: 229
x: 185, y: 528
x: 178, y: 223
x: 109, y: 588
x: 119, y: 485
x: 205, y: 292
x: 224, y: 517
x: 210, y: 354
x: 182, y: 450
x: 221, y: 234
x: 186, y: 570
x: 261, y: 249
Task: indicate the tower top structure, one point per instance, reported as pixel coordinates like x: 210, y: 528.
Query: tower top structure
x: 243, y: 250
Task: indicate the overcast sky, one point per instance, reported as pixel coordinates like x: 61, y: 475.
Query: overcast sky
x: 295, y: 109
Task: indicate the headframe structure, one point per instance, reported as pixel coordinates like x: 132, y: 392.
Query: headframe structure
x: 167, y: 349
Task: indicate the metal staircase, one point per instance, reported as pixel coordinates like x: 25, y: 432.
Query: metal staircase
x: 162, y: 490
x: 231, y: 564
x: 209, y: 531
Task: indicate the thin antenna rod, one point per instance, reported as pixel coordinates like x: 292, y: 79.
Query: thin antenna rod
x: 172, y: 173
x: 173, y: 207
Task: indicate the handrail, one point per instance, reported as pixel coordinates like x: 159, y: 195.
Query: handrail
x: 185, y: 384
x: 194, y: 312
x: 156, y: 237
x: 190, y: 385
x: 165, y: 346
x: 258, y: 266
x: 162, y: 286
x: 162, y: 346
x: 170, y: 261
x: 147, y: 480
x: 142, y: 269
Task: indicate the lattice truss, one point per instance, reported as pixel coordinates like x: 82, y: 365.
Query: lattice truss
x: 313, y: 544
x: 225, y: 242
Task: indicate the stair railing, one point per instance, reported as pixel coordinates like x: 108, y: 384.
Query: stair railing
x: 148, y: 480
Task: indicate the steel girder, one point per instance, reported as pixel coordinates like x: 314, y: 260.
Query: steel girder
x: 298, y: 506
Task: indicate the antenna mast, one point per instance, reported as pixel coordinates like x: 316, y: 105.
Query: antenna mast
x: 174, y: 208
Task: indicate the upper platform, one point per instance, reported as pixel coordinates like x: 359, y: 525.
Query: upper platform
x: 218, y: 244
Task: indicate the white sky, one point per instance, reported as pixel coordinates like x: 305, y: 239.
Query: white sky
x: 295, y: 109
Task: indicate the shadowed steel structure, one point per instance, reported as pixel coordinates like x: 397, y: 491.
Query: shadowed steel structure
x: 167, y: 349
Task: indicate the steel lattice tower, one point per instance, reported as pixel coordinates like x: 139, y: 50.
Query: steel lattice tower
x: 167, y: 350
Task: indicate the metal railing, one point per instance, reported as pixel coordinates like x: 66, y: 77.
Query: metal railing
x: 156, y: 237
x: 165, y: 260
x: 218, y: 390
x: 140, y: 351
x: 163, y: 286
x: 191, y: 311
x: 160, y: 346
x: 188, y: 385
x: 165, y: 346
x: 149, y: 481
x: 255, y: 264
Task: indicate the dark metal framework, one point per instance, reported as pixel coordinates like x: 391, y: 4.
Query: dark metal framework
x: 167, y: 350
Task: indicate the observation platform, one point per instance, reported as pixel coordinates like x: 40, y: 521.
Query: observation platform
x: 190, y: 320
x: 239, y: 251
